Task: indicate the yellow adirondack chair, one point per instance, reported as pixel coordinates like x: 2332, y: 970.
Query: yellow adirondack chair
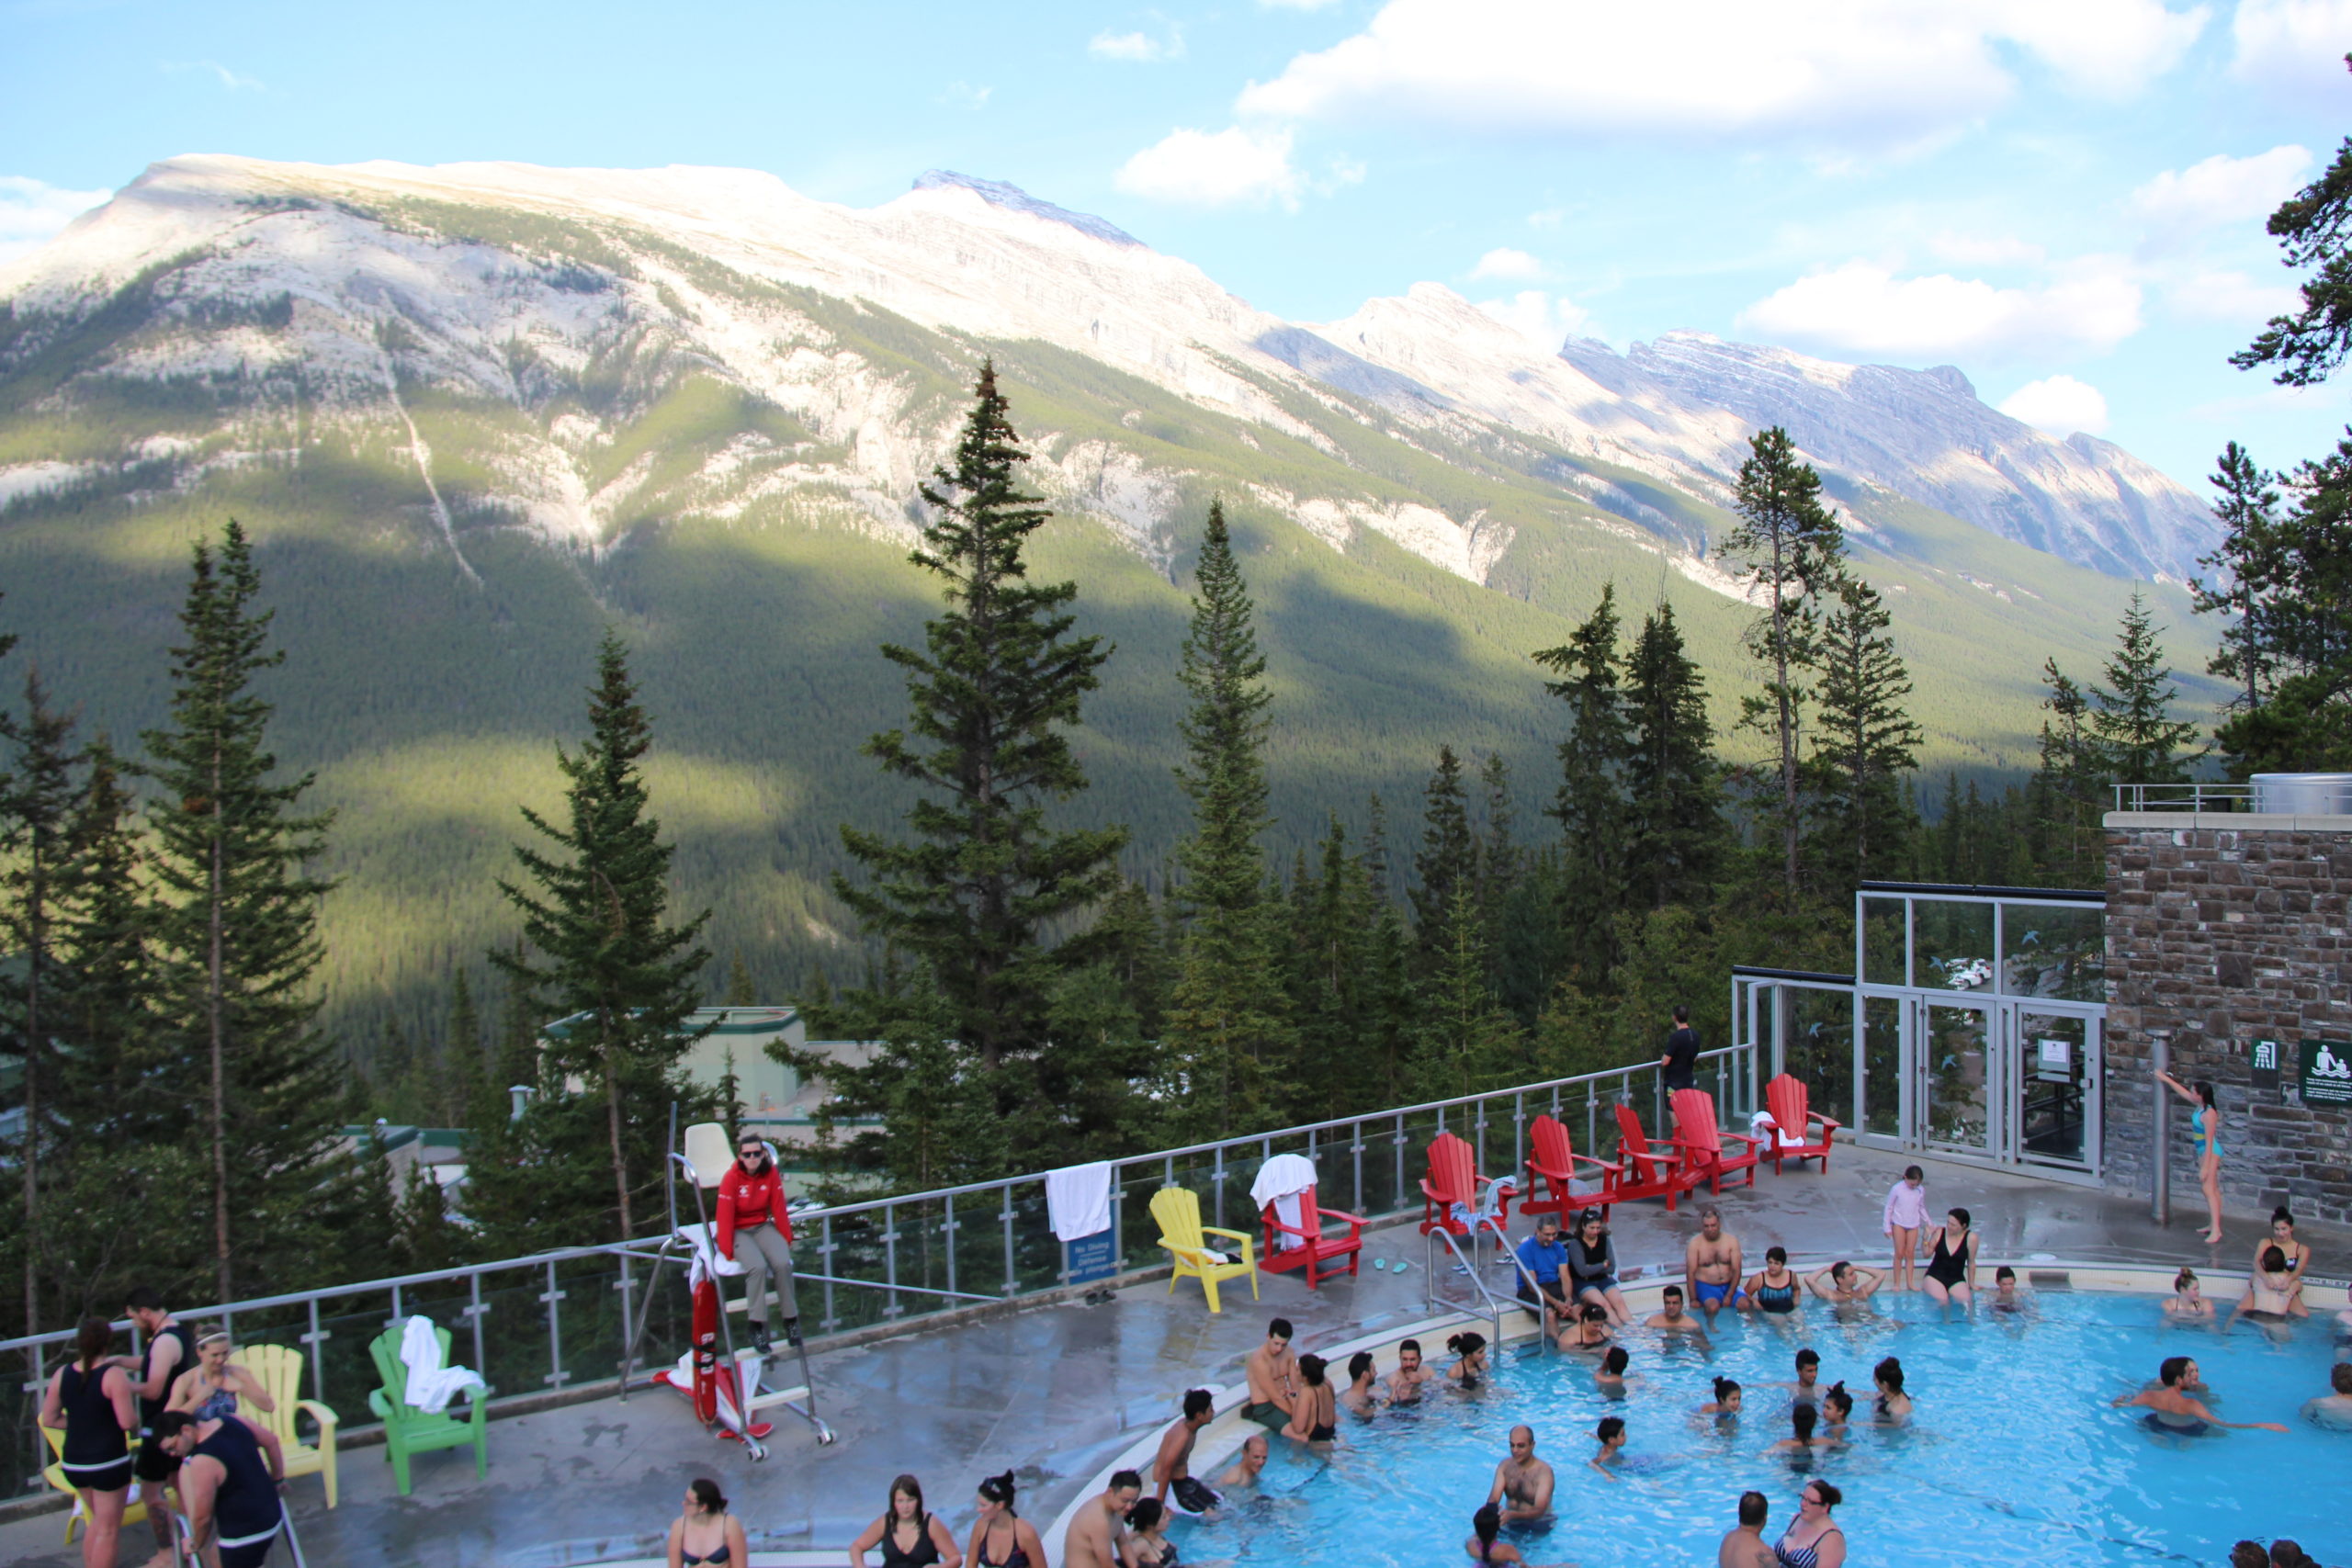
x: 134, y: 1511
x: 279, y: 1371
x: 1177, y: 1210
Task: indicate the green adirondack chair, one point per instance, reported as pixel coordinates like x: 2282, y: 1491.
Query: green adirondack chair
x: 407, y: 1429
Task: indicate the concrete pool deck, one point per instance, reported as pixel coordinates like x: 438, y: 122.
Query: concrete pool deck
x: 1054, y: 1392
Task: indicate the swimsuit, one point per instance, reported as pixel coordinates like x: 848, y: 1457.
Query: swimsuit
x: 1946, y: 1269
x: 1322, y: 1434
x: 1776, y: 1298
x: 154, y: 1463
x: 96, y: 1457
x: 2208, y: 1131
x: 247, y: 1517
x: 219, y: 1402
x: 1800, y: 1556
x: 2175, y: 1426
x: 712, y: 1558
x: 1270, y: 1415
x: 925, y: 1553
x: 1191, y: 1497
x: 1016, y: 1558
x: 1715, y: 1295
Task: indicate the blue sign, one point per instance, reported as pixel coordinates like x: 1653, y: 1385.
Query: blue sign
x: 1090, y: 1258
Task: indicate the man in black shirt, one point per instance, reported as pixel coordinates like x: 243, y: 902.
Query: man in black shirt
x: 1681, y: 1063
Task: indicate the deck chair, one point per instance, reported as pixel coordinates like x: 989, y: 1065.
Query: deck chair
x: 1451, y: 1191
x: 1318, y: 1250
x: 1177, y: 1210
x: 407, y: 1429
x: 133, y: 1512
x: 1785, y: 1097
x: 279, y: 1371
x: 1709, y: 1153
x: 1650, y: 1171
x: 1553, y: 1167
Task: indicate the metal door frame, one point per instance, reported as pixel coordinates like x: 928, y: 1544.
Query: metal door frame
x: 2013, y: 1010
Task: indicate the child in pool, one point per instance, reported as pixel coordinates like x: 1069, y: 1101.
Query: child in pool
x: 1724, y: 1406
x: 1610, y: 1378
x: 1611, y: 1435
x: 2006, y: 1295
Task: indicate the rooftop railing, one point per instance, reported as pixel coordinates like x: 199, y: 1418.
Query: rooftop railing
x: 557, y: 1323
x: 2184, y: 797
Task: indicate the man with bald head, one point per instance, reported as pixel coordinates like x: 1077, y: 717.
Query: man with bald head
x: 1522, y: 1483
x: 1245, y: 1469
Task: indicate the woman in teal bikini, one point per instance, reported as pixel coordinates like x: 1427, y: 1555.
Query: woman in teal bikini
x: 2208, y: 1120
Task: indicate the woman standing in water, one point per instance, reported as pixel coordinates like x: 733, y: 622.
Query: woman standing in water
x: 2208, y: 1123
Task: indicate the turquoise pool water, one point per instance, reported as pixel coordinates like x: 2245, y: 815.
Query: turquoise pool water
x: 2013, y: 1455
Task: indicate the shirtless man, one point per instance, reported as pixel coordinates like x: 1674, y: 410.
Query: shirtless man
x: 1746, y: 1546
x: 1273, y: 1371
x: 1405, y: 1382
x: 1522, y: 1483
x: 1171, y: 1467
x: 1244, y: 1471
x: 1362, y: 1393
x: 2174, y: 1412
x: 2335, y: 1407
x: 1097, y: 1537
x: 1712, y: 1264
x: 1673, y: 1319
x: 1806, y: 1390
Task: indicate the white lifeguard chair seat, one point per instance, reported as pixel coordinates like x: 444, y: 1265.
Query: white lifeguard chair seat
x: 710, y: 1150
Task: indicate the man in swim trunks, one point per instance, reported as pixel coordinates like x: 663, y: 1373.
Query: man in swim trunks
x: 1712, y: 1263
x: 1522, y: 1483
x: 1273, y: 1372
x: 1097, y: 1537
x: 2173, y: 1410
x: 1245, y: 1470
x: 1405, y: 1383
x: 1746, y: 1546
x: 1171, y: 1467
x: 1674, y: 1320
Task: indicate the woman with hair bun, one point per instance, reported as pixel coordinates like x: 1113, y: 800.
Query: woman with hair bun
x: 1470, y: 1347
x: 1003, y: 1539
x: 2298, y: 1255
x: 706, y: 1535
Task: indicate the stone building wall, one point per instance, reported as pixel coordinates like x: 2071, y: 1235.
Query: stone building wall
x: 2222, y: 929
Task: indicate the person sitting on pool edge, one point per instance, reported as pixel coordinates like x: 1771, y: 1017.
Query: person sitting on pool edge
x: 1541, y: 1258
x: 1315, y: 1418
x: 1172, y: 1466
x: 1097, y: 1536
x: 2171, y: 1411
x: 1711, y: 1262
x: 1522, y: 1485
x: 1773, y: 1290
x: 1273, y: 1374
x: 1849, y: 1283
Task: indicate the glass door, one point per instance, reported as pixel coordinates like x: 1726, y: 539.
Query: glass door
x: 1955, y: 1078
x: 2052, y: 1059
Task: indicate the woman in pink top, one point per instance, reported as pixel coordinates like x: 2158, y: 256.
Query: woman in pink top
x: 1906, y: 1211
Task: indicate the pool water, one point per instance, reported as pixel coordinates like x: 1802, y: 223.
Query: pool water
x: 2012, y: 1455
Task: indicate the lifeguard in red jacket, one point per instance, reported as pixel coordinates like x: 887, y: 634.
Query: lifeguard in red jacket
x: 755, y: 1230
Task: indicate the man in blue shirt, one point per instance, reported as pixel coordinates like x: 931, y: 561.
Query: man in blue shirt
x: 1545, y: 1256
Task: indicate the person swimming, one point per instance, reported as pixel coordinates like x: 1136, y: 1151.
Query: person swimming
x: 1807, y: 1388
x: 1803, y: 1420
x: 2187, y: 1300
x: 1724, y: 1406
x: 2173, y: 1412
x: 1892, y: 1405
x: 1611, y: 1434
x: 1469, y: 1350
x: 1837, y: 1410
x: 1362, y: 1393
x: 2333, y: 1408
x: 1610, y: 1378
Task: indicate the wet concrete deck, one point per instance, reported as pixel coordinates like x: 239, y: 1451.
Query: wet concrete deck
x: 1053, y: 1392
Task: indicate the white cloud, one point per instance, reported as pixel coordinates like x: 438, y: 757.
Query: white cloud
x: 2231, y: 298
x: 1984, y: 250
x: 1545, y: 321
x: 964, y: 95
x: 1861, y: 307
x: 1718, y: 68
x: 2293, y: 45
x: 1506, y: 262
x: 1141, y: 49
x: 2222, y: 189
x: 229, y: 80
x: 1225, y: 168
x: 1296, y: 5
x: 32, y: 210
x: 2058, y: 404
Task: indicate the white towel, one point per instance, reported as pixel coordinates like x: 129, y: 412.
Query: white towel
x: 1078, y: 1197
x: 1282, y: 1177
x: 707, y: 1259
x: 431, y: 1385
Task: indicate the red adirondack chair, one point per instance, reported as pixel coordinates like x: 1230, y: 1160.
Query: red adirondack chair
x: 1453, y: 1179
x: 1785, y: 1097
x: 1322, y: 1250
x: 1552, y: 1166
x: 1708, y: 1152
x: 1651, y: 1171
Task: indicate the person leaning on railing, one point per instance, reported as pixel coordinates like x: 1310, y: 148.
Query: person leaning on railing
x: 755, y: 1231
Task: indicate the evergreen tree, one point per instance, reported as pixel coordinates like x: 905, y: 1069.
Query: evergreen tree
x: 1500, y: 859
x: 1590, y: 807
x: 1676, y: 833
x: 2138, y: 739
x: 466, y: 1088
x: 1228, y: 1027
x: 740, y: 992
x: 238, y: 942
x: 1467, y: 1042
x: 2311, y: 226
x: 623, y: 979
x: 1332, y: 914
x: 1447, y: 861
x: 1792, y: 548
x: 1129, y: 939
x: 971, y: 896
x: 1865, y: 742
x: 2251, y: 557
x: 2068, y: 792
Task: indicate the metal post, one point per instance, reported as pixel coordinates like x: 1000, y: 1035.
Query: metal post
x: 398, y: 1316
x: 317, y: 1358
x: 557, y: 1376
x: 1355, y: 1143
x: 1219, y: 1179
x: 1591, y: 1117
x: 627, y: 1302
x: 2160, y: 1132
x: 825, y: 1252
x: 1011, y: 1282
x: 1400, y: 1161
x: 474, y: 1310
x: 947, y: 1229
x: 890, y: 1307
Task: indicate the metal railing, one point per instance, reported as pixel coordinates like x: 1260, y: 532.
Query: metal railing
x: 2184, y: 797
x: 559, y: 1321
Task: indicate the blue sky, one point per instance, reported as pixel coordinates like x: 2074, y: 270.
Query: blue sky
x: 2063, y: 198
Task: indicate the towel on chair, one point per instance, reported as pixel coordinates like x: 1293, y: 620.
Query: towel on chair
x: 1280, y: 1182
x: 708, y: 1262
x: 1077, y: 1198
x: 431, y: 1385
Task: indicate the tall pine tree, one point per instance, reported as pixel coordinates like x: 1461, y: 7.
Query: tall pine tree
x: 1865, y: 743
x: 1591, y: 806
x: 238, y: 940
x: 2253, y: 561
x: 1446, y: 862
x: 2139, y: 741
x: 605, y: 960
x: 1677, y: 835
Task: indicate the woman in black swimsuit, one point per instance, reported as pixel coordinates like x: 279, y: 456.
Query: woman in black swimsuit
x: 1892, y: 1405
x: 707, y: 1535
x: 1317, y: 1416
x: 1951, y: 1267
x: 909, y: 1536
x: 1147, y: 1542
x: 91, y: 1402
x: 1003, y: 1539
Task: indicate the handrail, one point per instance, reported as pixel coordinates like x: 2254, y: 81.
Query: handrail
x: 2184, y: 797
x: 1494, y: 1306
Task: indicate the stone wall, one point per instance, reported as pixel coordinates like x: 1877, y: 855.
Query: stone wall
x: 2222, y: 929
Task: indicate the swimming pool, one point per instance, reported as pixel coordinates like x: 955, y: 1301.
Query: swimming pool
x: 2012, y: 1457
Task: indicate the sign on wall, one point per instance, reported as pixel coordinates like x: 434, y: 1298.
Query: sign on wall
x: 2327, y: 1072
x: 2265, y: 1060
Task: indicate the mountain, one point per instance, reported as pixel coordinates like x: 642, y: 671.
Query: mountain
x: 474, y: 414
